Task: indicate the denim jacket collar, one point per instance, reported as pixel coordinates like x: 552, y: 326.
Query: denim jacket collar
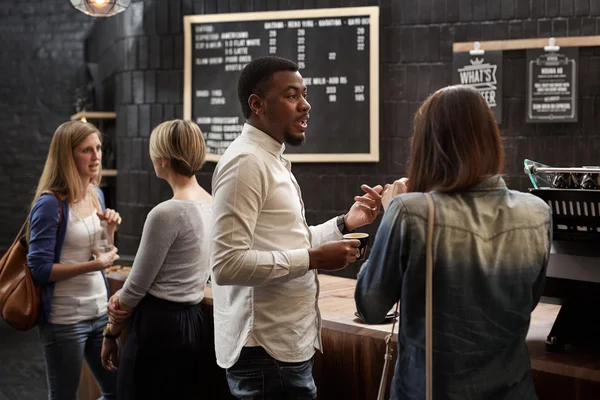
x: 492, y: 183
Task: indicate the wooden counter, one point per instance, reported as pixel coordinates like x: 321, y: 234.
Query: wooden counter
x: 351, y: 365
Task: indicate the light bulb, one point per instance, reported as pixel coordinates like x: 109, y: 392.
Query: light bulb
x: 83, y: 119
x: 101, y: 8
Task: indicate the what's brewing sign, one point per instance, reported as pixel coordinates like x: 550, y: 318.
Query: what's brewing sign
x: 483, y: 73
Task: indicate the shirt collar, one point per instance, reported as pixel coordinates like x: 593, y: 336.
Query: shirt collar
x: 492, y: 183
x: 263, y: 139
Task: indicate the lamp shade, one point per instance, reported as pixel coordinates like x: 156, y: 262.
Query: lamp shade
x: 101, y: 8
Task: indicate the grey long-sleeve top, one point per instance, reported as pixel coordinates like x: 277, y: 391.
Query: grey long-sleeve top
x: 172, y: 261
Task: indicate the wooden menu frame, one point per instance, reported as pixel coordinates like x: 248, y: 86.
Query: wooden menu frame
x: 372, y: 12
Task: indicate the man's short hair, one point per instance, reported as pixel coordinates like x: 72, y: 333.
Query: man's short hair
x: 254, y: 77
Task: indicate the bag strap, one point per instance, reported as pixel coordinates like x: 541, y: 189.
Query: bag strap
x: 21, y: 231
x: 60, y: 218
x: 429, y: 300
x: 388, y: 355
x: 60, y: 207
x: 22, y: 273
x: 428, y: 314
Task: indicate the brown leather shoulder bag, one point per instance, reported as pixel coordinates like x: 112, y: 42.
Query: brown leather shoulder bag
x: 20, y: 298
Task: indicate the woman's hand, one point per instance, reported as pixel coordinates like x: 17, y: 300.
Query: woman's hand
x: 116, y: 316
x: 393, y: 190
x: 105, y: 260
x: 112, y: 218
x: 110, y: 354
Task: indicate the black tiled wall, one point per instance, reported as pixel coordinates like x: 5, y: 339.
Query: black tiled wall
x: 41, y: 54
x: 141, y: 55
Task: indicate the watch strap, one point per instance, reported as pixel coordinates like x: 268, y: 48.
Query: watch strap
x: 342, y: 225
x: 106, y: 334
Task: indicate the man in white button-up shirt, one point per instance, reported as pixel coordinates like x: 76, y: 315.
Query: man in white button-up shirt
x: 265, y: 256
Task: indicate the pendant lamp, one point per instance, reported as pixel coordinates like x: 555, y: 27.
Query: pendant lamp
x: 101, y: 8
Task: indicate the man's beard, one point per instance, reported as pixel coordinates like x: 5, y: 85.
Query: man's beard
x: 292, y: 140
x: 288, y: 137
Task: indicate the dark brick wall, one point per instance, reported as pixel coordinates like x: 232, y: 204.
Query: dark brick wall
x: 144, y: 48
x: 140, y: 54
x: 41, y: 52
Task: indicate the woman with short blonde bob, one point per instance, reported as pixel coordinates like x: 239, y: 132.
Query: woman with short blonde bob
x: 65, y: 259
x: 163, y: 353
x: 490, y: 251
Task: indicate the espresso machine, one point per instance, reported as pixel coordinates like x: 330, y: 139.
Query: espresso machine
x: 573, y: 274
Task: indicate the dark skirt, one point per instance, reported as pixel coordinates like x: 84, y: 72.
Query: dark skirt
x: 162, y: 357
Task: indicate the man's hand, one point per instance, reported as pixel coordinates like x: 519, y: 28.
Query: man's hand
x: 365, y: 208
x: 334, y: 255
x: 393, y: 190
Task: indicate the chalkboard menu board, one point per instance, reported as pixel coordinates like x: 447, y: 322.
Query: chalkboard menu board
x: 552, y: 85
x: 337, y: 51
x: 482, y: 72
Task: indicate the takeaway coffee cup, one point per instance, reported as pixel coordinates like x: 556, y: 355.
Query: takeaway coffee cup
x: 364, y: 242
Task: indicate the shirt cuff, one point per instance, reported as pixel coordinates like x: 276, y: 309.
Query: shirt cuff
x: 333, y: 232
x: 299, y: 263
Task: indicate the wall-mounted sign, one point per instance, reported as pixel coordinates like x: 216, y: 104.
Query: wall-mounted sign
x: 552, y: 85
x: 483, y: 73
x: 337, y: 51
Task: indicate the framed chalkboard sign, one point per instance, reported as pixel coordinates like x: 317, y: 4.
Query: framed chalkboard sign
x: 552, y: 85
x: 337, y: 51
x: 483, y: 72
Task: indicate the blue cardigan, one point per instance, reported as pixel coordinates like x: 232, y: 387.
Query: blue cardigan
x: 45, y: 245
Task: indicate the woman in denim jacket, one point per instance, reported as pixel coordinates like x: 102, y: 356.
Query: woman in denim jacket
x: 65, y: 263
x: 490, y: 251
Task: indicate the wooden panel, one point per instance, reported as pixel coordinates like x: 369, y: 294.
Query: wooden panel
x: 352, y: 362
x: 94, y: 115
x: 520, y: 44
x: 351, y: 366
x: 88, y: 388
x: 109, y: 172
x: 557, y: 387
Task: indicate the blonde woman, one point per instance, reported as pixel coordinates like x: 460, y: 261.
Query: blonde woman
x: 64, y: 262
x: 162, y: 355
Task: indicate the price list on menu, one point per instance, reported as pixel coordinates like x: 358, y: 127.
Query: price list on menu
x: 552, y: 85
x: 334, y: 56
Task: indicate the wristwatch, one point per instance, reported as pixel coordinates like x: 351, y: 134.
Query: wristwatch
x: 342, y: 225
x: 107, y: 334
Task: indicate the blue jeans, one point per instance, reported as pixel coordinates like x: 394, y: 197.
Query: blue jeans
x: 65, y: 347
x: 257, y: 375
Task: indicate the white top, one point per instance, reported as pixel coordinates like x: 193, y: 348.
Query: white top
x: 82, y: 297
x: 172, y: 260
x: 262, y: 293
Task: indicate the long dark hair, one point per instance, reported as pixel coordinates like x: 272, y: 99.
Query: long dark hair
x: 456, y: 142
